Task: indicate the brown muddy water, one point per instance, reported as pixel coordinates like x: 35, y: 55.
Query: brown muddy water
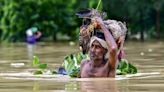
x: 15, y: 67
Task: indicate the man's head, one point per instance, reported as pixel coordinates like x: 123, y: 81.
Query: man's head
x: 118, y: 31
x: 87, y: 15
x: 97, y: 48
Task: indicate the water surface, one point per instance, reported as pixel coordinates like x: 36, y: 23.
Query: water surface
x: 15, y: 64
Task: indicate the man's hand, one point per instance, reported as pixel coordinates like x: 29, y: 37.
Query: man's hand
x: 98, y: 22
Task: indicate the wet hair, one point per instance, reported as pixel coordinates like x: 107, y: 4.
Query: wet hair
x: 98, y: 34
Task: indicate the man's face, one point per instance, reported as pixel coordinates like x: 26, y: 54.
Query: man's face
x: 96, y: 51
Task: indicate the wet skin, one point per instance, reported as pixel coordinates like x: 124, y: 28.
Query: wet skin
x: 95, y: 67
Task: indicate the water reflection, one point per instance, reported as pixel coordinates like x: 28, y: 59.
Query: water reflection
x: 72, y: 86
x: 30, y: 50
x: 92, y: 85
x: 106, y: 85
x: 36, y: 86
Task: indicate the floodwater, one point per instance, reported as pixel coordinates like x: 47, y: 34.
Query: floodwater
x: 16, y: 65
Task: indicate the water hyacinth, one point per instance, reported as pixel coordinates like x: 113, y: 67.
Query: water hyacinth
x: 72, y: 65
x: 124, y: 67
x: 41, y: 66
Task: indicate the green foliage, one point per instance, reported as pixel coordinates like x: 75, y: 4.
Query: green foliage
x: 38, y: 72
x: 54, y: 72
x: 140, y: 16
x: 58, y: 16
x: 72, y: 65
x: 41, y: 67
x: 75, y: 72
x: 125, y: 68
x: 47, y: 15
x: 35, y: 61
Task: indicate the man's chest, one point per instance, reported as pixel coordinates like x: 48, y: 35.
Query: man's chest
x: 89, y: 71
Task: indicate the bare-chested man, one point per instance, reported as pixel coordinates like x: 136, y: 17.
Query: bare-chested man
x: 98, y: 65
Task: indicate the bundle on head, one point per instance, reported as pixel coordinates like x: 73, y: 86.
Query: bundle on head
x: 116, y: 28
x: 118, y: 31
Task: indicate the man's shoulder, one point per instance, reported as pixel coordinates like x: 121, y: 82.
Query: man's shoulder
x: 84, y: 61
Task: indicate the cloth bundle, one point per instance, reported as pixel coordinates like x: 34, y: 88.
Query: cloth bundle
x: 117, y: 30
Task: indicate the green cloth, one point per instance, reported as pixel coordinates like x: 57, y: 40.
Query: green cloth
x: 34, y: 29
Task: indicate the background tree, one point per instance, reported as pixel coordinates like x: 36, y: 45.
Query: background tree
x: 58, y: 16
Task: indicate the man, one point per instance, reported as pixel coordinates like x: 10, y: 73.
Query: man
x: 32, y: 35
x: 103, y: 54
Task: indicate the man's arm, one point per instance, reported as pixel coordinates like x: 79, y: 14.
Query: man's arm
x: 112, y: 47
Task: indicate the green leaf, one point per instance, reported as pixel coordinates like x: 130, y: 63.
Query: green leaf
x: 38, y: 72
x: 75, y: 72
x: 118, y: 72
x: 35, y: 61
x: 69, y: 63
x: 133, y: 69
x: 42, y: 66
x: 124, y: 67
x: 54, y: 72
x: 72, y: 63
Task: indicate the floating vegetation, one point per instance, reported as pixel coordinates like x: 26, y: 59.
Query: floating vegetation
x: 72, y: 65
x: 41, y: 67
x: 124, y: 67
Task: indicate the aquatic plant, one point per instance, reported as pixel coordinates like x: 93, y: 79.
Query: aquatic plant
x: 72, y: 65
x: 124, y: 67
x: 41, y: 67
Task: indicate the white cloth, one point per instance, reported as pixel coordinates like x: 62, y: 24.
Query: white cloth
x: 29, y: 32
x: 117, y: 28
x: 103, y: 44
x: 101, y: 41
